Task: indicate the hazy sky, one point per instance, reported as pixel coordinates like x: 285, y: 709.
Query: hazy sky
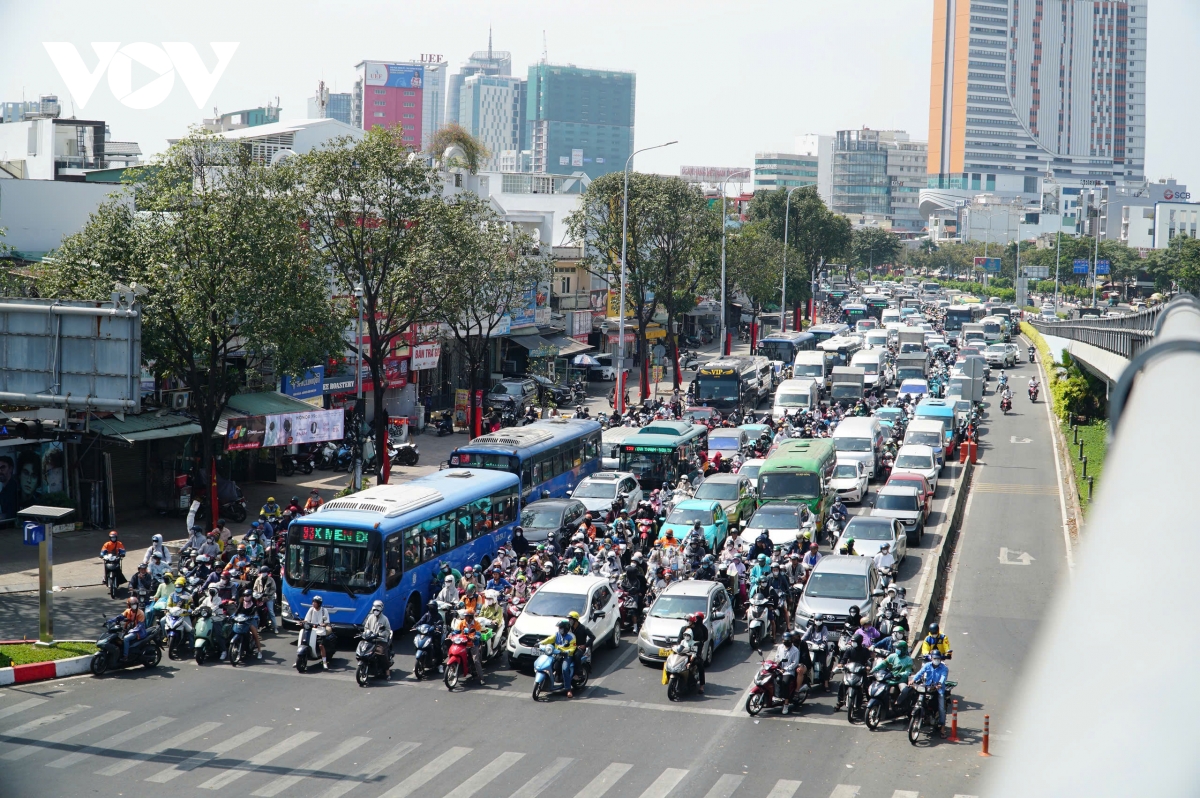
x: 724, y: 78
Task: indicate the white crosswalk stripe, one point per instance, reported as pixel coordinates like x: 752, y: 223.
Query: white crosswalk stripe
x: 606, y: 779
x: 534, y: 787
x: 110, y: 742
x: 485, y: 775
x: 193, y: 762
x: 784, y: 788
x: 296, y: 776
x: 258, y: 760
x: 844, y: 791
x: 45, y: 720
x: 906, y: 794
x: 66, y: 734
x: 370, y: 771
x: 965, y: 796
x: 419, y: 779
x: 665, y: 782
x: 21, y: 707
x: 724, y: 786
x: 148, y: 754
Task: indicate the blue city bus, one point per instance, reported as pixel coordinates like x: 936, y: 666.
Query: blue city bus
x: 823, y: 332
x: 388, y: 542
x: 550, y: 455
x: 781, y: 348
x: 663, y: 451
x: 956, y: 317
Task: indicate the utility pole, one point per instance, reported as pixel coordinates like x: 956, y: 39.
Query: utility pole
x: 1057, y: 263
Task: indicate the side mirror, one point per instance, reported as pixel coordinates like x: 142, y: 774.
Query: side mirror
x: 877, y: 593
x: 718, y: 616
x: 598, y: 614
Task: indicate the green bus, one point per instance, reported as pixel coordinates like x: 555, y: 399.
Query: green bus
x: 800, y: 470
x: 663, y: 451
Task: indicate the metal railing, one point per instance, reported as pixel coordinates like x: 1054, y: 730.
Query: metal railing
x: 1123, y: 335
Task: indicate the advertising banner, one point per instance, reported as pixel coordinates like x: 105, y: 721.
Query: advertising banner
x: 461, y: 397
x: 308, y: 386
x: 426, y: 356
x: 403, y: 76
x: 581, y: 322
x: 245, y: 432
x: 525, y: 313
x: 576, y: 157
x: 284, y: 429
x: 395, y: 372
x: 29, y: 474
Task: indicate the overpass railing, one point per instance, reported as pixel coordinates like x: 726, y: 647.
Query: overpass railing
x: 1123, y: 335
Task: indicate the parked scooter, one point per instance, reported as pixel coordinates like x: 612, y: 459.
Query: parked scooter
x: 110, y: 648
x: 680, y: 672
x: 113, y: 578
x: 767, y: 692
x: 291, y: 463
x: 374, y: 655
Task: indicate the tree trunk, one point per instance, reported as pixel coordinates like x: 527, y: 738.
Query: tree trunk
x: 381, y: 420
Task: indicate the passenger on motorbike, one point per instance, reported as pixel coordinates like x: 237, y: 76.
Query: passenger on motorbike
x: 933, y: 673
x: 467, y: 625
x: 762, y: 545
x: 578, y: 564
x: 584, y: 637
x: 564, y: 643
x: 157, y: 547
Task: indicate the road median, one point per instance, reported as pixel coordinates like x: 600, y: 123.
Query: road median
x: 932, y: 587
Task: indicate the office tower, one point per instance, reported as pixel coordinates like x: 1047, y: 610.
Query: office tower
x: 408, y: 94
x: 579, y: 119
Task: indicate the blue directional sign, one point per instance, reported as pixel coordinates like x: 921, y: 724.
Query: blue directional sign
x: 1081, y: 266
x: 1102, y: 267
x: 34, y: 533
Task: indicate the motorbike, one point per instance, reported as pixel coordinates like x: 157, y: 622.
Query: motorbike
x: 205, y: 638
x: 1005, y: 405
x: 1031, y: 354
x: 325, y: 457
x: 646, y: 535
x: 1033, y: 394
x: 178, y: 643
x: 627, y: 605
x: 851, y: 690
x: 404, y: 454
x: 445, y: 424
x: 882, y: 700
x: 924, y: 717
x: 239, y: 648
x: 680, y: 673
x: 767, y: 690
x: 820, y: 654
x: 343, y: 459
x: 291, y: 463
x: 374, y: 655
x: 110, y: 648
x: 305, y: 652
x: 113, y: 578
x: 428, y: 655
x: 458, y: 661
x: 759, y: 620
x: 547, y: 673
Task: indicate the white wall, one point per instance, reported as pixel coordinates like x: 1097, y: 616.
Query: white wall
x: 38, y: 213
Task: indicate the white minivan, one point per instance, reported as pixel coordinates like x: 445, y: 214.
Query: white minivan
x: 795, y: 396
x: 889, y: 315
x: 860, y: 438
x: 812, y: 364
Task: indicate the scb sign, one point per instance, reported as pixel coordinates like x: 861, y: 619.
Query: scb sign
x: 1182, y: 196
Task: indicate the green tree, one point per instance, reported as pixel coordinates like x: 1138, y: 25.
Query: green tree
x: 374, y: 215
x: 1178, y: 263
x: 229, y: 275
x: 872, y: 247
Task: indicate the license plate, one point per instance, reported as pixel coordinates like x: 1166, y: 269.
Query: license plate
x: 664, y: 652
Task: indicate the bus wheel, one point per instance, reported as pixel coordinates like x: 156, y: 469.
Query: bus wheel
x: 412, y: 613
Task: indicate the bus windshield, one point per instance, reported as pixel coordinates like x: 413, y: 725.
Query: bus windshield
x: 717, y: 387
x: 782, y: 351
x: 785, y: 484
x: 331, y: 557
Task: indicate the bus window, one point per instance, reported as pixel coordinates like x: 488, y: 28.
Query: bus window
x: 415, y: 550
x: 442, y: 528
x: 391, y: 552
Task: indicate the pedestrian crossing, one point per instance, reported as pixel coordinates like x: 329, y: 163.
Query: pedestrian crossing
x: 266, y: 761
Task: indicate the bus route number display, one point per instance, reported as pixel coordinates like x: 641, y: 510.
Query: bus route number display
x: 650, y: 449
x: 344, y: 537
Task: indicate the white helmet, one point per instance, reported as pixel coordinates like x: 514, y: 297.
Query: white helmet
x: 377, y: 607
x: 156, y: 539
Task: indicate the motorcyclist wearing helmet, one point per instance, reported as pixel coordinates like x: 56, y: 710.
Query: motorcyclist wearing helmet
x: 633, y: 582
x: 210, y: 548
x: 318, y: 616
x: 294, y: 507
x: 818, y: 634
x: 377, y: 624
x: 265, y: 586
x: 239, y: 561
x: 866, y: 632
x: 578, y: 564
x: 270, y: 510
x: 707, y: 569
x: 856, y: 654
x: 113, y: 546
x: 497, y: 581
x: 934, y: 674
x: 762, y: 545
x: 853, y: 618
x: 700, y: 635
x: 787, y: 654
x: 179, y: 597
x: 135, y: 624
x: 782, y: 590
x: 141, y: 581
x: 810, y: 560
x: 793, y: 570
x: 467, y: 625
x: 314, y: 501
x: 472, y: 600
x: 585, y: 639
x: 564, y: 643
x: 468, y: 577
x: 433, y: 618
x: 839, y: 513
x: 254, y: 548
x: 157, y: 547
x: 246, y: 606
x: 196, y: 538
x: 898, y: 664
x: 761, y: 569
x: 491, y: 609
x: 848, y: 548
x: 439, y: 579
x: 934, y: 641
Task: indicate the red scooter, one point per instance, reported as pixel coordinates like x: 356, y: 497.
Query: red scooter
x: 646, y: 535
x: 1006, y: 405
x: 767, y: 682
x: 458, y: 661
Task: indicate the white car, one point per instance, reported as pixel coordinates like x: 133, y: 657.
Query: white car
x: 591, y: 596
x: 917, y: 459
x: 600, y: 490
x: 1000, y: 356
x: 850, y: 480
x: 750, y: 468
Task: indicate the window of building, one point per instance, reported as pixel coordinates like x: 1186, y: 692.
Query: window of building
x: 410, y: 94
x: 410, y: 105
x: 380, y: 91
x: 379, y: 114
x: 565, y: 285
x: 380, y: 102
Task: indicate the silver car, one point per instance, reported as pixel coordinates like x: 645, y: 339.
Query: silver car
x: 903, y: 505
x: 669, y: 613
x: 837, y: 583
x: 871, y: 532
x: 600, y: 490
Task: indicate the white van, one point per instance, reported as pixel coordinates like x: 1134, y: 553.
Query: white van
x: 813, y: 365
x: 928, y: 432
x: 877, y: 339
x: 795, y: 396
x: 860, y: 438
x: 889, y: 316
x: 874, y: 363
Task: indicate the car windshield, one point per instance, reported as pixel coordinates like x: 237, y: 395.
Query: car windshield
x: 750, y: 471
x: 852, y: 444
x: 791, y: 400
x: 897, y: 502
x: 540, y: 517
x: 836, y: 586
x: 717, y: 491
x: 914, y: 461
x: 678, y: 607
x: 924, y: 438
x: 781, y: 484
x: 865, y: 529
x: 684, y: 517
x: 807, y: 370
x: 546, y: 603
x: 723, y: 441
x: 595, y: 489
x: 846, y: 471
x: 997, y: 349
x: 777, y: 518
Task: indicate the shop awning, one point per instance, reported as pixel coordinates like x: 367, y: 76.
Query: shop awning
x: 265, y: 403
x: 569, y: 347
x: 536, y: 344
x: 146, y: 427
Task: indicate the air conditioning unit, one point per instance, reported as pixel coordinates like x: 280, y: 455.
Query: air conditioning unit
x: 180, y: 399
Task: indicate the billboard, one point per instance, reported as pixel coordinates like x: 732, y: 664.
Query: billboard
x: 393, y: 98
x: 988, y: 264
x: 425, y: 356
x: 29, y: 474
x: 308, y: 386
x: 283, y: 429
x: 404, y: 76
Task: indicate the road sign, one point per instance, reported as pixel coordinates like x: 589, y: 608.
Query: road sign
x: 1037, y: 272
x: 1081, y: 266
x: 1102, y: 267
x: 34, y: 533
x: 988, y: 264
x: 659, y: 350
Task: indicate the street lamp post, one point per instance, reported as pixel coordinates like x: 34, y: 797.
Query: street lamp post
x: 787, y: 207
x: 724, y: 186
x: 619, y: 397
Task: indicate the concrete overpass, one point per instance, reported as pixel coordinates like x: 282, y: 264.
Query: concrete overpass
x: 1103, y: 347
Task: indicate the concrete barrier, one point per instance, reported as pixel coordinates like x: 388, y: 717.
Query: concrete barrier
x: 928, y: 599
x: 44, y: 671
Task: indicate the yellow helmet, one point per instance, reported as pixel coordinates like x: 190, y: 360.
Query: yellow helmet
x: 180, y: 582
x: 573, y: 614
x: 271, y: 499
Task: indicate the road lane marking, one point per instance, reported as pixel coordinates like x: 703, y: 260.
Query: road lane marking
x: 166, y: 745
x: 1013, y: 489
x: 371, y: 771
x: 297, y: 775
x: 258, y: 760
x: 960, y: 795
x: 665, y: 782
x: 1017, y: 558
x: 724, y: 786
x: 21, y: 707
x: 419, y: 779
x: 784, y: 789
x: 1062, y: 499
x: 844, y: 791
x: 1015, y: 439
x: 45, y: 720
x: 906, y: 794
x: 535, y: 786
x: 66, y: 734
x: 110, y: 742
x: 485, y: 775
x: 604, y: 780
x: 193, y: 762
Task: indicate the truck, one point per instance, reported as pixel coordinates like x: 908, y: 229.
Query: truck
x: 848, y: 383
x: 912, y: 366
x: 914, y: 338
x: 972, y: 334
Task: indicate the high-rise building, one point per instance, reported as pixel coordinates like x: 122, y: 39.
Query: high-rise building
x: 250, y: 117
x: 489, y: 108
x: 408, y: 94
x: 1022, y: 89
x: 330, y: 105
x: 860, y: 175
x: 481, y: 62
x: 774, y: 170
x: 579, y: 119
x: 822, y: 147
x: 906, y: 171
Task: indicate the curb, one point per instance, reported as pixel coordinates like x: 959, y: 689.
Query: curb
x: 43, y: 671
x: 32, y: 587
x: 925, y: 601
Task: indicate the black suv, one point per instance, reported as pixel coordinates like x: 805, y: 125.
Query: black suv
x: 552, y: 520
x: 515, y: 395
x: 549, y: 391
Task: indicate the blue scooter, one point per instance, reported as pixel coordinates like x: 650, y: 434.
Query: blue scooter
x: 547, y: 673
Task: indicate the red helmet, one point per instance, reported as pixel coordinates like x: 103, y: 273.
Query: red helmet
x: 696, y: 617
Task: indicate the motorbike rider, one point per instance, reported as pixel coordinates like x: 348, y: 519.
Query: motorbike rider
x: 314, y: 501
x: 584, y: 637
x: 210, y: 548
x: 818, y: 634
x: 794, y: 570
x: 761, y: 569
x: 1033, y: 384
x: 246, y: 606
x: 933, y: 673
x: 898, y: 664
x: 497, y: 582
x: 934, y: 642
x: 578, y: 564
x: 265, y: 586
x: 1030, y: 352
x: 439, y: 579
x: 762, y: 545
x: 377, y: 624
x: 519, y: 544
x: 471, y: 600
x: 623, y: 525
x: 239, y: 561
x: 610, y: 565
x: 141, y: 581
x: 699, y: 632
x: 789, y: 658
x: 813, y: 557
x: 633, y: 582
x: 467, y: 625
x: 433, y: 618
x: 839, y: 513
x: 707, y: 569
x: 223, y: 534
x: 491, y: 609
x: 564, y: 643
x: 270, y: 510
x: 196, y: 538
x: 135, y: 623
x: 113, y: 546
x: 157, y: 547
x: 857, y: 654
x: 318, y: 616
x: 782, y: 589
x: 468, y: 578
x: 294, y: 507
x: 884, y: 559
x: 866, y: 632
x: 157, y: 569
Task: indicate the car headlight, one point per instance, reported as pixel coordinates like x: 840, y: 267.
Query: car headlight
x: 644, y: 634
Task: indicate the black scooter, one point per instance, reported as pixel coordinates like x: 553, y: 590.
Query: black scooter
x: 240, y: 641
x: 427, y: 641
x: 445, y: 424
x: 110, y: 648
x: 374, y: 655
x: 113, y: 578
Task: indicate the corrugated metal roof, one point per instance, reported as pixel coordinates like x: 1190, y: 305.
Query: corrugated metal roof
x: 146, y: 426
x: 267, y: 403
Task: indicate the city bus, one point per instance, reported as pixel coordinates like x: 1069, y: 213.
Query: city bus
x: 876, y: 305
x: 823, y: 332
x: 993, y: 330
x: 800, y: 470
x: 663, y: 451
x: 734, y: 383
x: 839, y: 350
x: 854, y: 312
x: 387, y: 543
x: 549, y: 456
x: 956, y: 317
x: 781, y: 348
